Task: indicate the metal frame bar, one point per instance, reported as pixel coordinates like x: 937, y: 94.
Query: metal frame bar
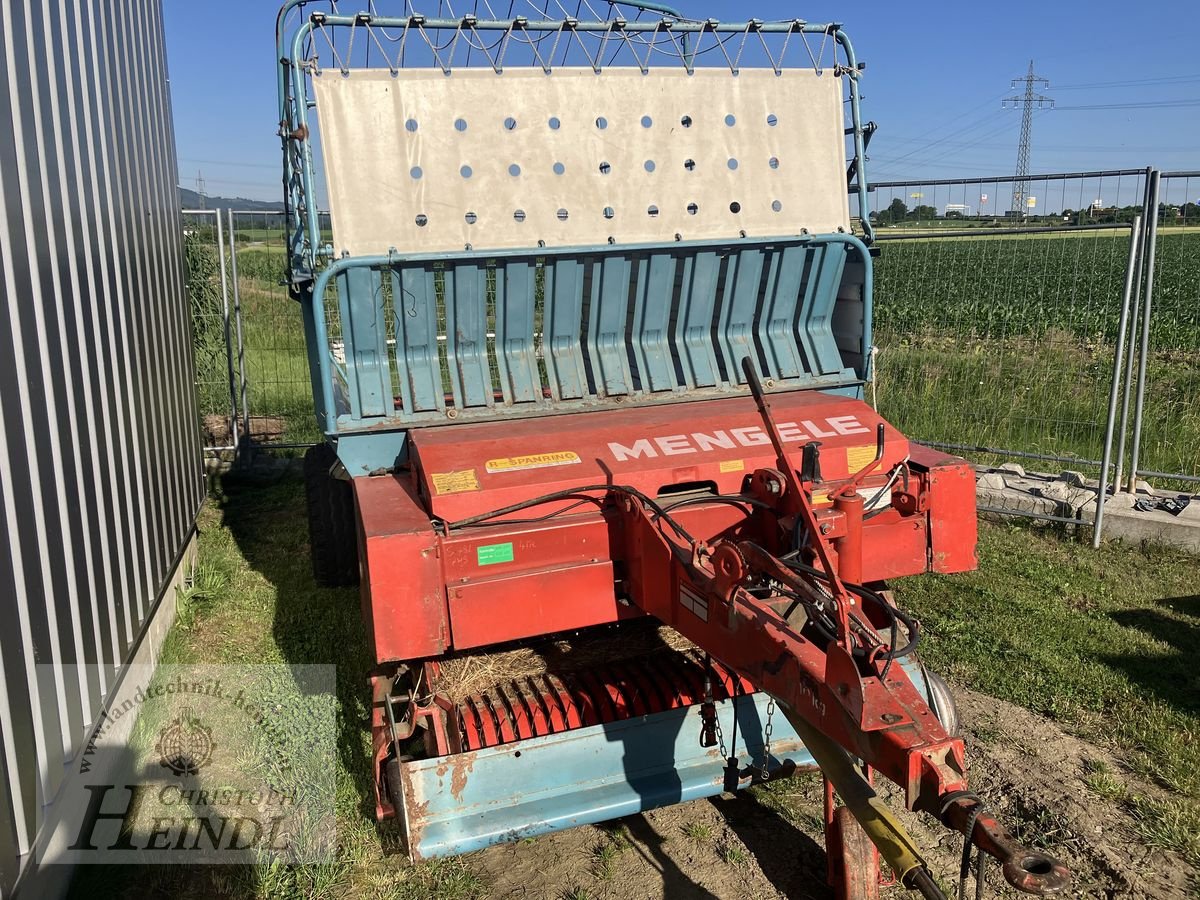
x: 1008, y: 179
x: 1001, y: 232
x: 1025, y: 514
x: 1123, y: 428
x: 1114, y: 389
x: 237, y: 318
x: 1175, y: 476
x: 1147, y: 307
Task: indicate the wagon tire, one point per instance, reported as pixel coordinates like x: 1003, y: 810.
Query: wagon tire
x: 332, y: 533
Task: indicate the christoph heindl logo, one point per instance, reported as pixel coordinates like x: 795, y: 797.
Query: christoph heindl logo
x: 185, y: 745
x: 204, y: 764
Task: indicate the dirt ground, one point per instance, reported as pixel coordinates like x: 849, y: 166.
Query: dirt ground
x: 769, y: 843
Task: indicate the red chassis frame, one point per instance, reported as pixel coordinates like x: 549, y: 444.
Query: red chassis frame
x: 490, y: 537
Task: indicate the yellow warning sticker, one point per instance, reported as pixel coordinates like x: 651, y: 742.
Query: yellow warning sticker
x: 858, y: 458
x: 820, y: 498
x: 532, y: 461
x: 733, y: 465
x: 455, y: 482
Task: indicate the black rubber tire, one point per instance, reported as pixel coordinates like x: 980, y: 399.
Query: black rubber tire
x: 332, y: 529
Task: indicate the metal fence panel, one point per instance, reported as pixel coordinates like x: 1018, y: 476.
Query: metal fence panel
x: 206, y: 260
x: 278, y: 405
x: 995, y: 326
x: 996, y: 333
x: 1171, y: 412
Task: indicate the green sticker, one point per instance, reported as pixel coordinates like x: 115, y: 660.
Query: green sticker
x: 490, y: 554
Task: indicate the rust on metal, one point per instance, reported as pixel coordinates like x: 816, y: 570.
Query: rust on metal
x: 461, y: 765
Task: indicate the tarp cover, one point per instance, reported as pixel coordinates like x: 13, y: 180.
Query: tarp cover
x: 429, y: 162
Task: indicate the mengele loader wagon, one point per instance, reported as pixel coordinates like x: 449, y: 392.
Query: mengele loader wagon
x: 588, y: 329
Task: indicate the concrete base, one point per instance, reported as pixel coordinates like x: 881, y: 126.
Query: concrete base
x: 1070, y: 495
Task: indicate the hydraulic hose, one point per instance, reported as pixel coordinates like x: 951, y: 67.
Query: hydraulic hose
x: 880, y: 824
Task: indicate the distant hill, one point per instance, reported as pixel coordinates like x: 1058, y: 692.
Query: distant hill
x: 191, y: 200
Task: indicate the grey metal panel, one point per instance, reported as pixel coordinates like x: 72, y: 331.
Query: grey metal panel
x: 100, y: 472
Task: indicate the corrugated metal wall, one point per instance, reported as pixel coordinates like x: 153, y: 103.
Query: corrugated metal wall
x: 100, y: 477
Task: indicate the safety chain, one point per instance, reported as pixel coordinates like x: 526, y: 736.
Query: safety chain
x: 710, y: 723
x: 764, y: 771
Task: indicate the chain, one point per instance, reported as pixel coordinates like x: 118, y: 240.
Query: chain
x: 710, y: 705
x: 721, y: 740
x: 766, y: 775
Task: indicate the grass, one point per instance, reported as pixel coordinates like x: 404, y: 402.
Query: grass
x: 1170, y: 824
x: 1102, y: 782
x: 1102, y: 641
x: 698, y: 832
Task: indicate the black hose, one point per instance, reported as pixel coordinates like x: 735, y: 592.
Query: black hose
x: 891, y: 612
x: 573, y: 493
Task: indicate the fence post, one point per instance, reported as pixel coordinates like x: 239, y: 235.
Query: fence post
x: 1135, y: 236
x: 1147, y: 306
x: 237, y: 316
x: 233, y: 409
x: 1123, y: 429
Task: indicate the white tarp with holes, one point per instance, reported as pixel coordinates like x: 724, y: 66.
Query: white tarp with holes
x: 428, y: 162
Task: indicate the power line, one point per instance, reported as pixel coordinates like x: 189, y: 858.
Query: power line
x: 229, y: 162
x: 1130, y: 82
x: 970, y: 126
x: 958, y: 150
x: 1145, y: 104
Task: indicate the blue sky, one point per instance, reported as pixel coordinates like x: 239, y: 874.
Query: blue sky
x: 936, y: 74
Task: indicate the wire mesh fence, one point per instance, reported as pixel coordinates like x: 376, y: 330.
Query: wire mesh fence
x: 1170, y: 435
x: 213, y: 328
x: 277, y: 407
x: 996, y: 330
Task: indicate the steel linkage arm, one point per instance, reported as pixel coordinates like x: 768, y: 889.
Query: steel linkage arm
x: 726, y: 598
x: 701, y: 592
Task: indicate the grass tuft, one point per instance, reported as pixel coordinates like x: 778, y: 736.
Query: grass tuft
x: 732, y: 854
x: 1168, y: 823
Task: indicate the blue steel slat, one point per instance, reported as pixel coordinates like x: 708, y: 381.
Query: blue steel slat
x: 421, y: 385
x: 466, y: 335
x: 776, y: 325
x: 739, y: 305
x: 816, y: 327
x: 563, y: 316
x: 811, y: 264
x: 346, y: 316
x: 652, y: 322
x: 365, y: 337
x: 608, y: 312
x: 516, y: 355
x: 693, y: 328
